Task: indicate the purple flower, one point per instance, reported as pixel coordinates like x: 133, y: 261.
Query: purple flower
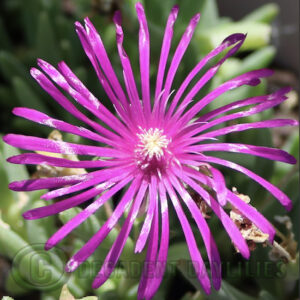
x: 155, y: 150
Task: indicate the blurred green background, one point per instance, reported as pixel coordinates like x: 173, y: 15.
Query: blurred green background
x: 31, y: 29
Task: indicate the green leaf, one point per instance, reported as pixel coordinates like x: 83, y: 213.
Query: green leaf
x: 13, y: 172
x: 46, y: 43
x: 5, y: 42
x: 7, y: 99
x: 258, y: 35
x: 30, y: 10
x: 88, y: 228
x: 10, y: 242
x: 39, y: 231
x: 265, y: 14
x: 226, y: 291
x: 47, y: 296
x: 235, y: 94
x: 178, y: 251
x: 257, y: 60
x: 27, y: 97
x: 209, y: 15
x: 85, y: 230
x: 12, y: 285
x: 186, y: 13
x: 66, y: 295
x: 11, y: 67
x: 264, y: 295
x: 157, y: 11
x: 12, y: 203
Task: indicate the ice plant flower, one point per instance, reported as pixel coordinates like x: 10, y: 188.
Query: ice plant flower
x: 154, y: 148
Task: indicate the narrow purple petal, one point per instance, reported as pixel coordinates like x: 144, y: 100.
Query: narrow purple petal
x: 161, y: 262
x: 179, y: 52
x: 211, y: 135
x: 150, y: 262
x: 90, y: 102
x: 165, y: 50
x: 83, y: 215
x: 277, y: 193
x: 74, y: 81
x: 144, y: 57
x: 265, y: 102
x: 41, y: 118
x: 245, y: 126
x: 232, y: 230
x: 39, y: 159
x: 128, y: 73
x: 97, y: 177
x: 196, y: 257
x: 104, y: 62
x: 47, y: 183
x: 219, y: 185
x: 251, y: 78
x: 116, y: 250
x: 40, y: 144
x: 266, y: 152
x: 253, y: 215
x: 88, y: 249
x: 141, y: 241
x: 50, y: 88
x: 210, y: 245
x: 57, y: 207
x: 121, y: 107
x: 280, y: 94
x: 229, y: 41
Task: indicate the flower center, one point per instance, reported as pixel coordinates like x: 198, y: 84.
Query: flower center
x: 151, y: 147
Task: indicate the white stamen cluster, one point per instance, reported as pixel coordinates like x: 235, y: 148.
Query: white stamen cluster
x: 152, y: 143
